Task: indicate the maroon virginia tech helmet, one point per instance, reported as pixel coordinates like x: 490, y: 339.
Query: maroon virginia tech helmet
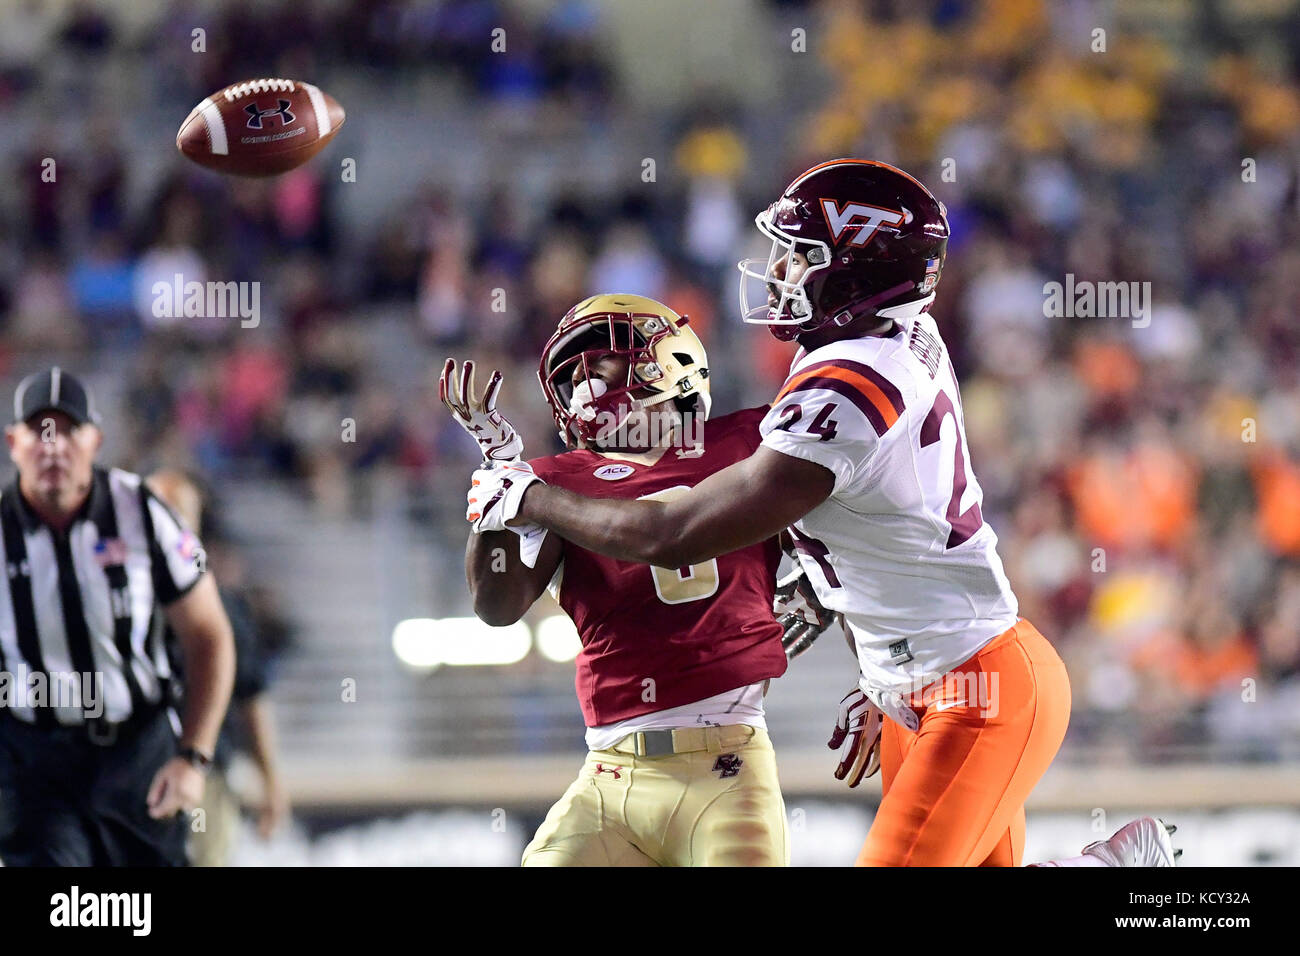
x: 874, y: 239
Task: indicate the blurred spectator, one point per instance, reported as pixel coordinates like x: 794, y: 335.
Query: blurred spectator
x: 1145, y: 480
x: 102, y: 288
x: 43, y: 313
x: 249, y: 719
x: 627, y: 260
x: 28, y: 28
x: 105, y: 179
x: 87, y: 30
x: 165, y: 271
x: 44, y: 172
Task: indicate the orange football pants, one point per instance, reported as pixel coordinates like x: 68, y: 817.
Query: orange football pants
x: 955, y: 790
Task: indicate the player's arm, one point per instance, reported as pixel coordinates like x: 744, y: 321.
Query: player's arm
x: 192, y: 607
x: 745, y: 503
x: 208, y: 647
x: 260, y: 725
x: 503, y: 587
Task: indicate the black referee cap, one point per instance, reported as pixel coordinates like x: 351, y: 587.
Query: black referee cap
x: 54, y: 390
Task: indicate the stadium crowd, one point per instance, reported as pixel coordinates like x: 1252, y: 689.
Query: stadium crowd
x: 1143, y: 471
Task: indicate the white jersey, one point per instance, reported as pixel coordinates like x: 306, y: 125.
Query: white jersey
x: 900, y: 547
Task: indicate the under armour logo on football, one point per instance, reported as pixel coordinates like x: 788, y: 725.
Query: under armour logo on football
x: 601, y: 768
x: 860, y: 217
x: 255, y: 115
x: 728, y: 765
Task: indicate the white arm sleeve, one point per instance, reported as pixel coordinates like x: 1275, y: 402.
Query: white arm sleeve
x: 176, y: 552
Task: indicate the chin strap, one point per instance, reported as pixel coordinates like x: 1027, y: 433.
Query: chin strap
x: 904, y: 312
x: 908, y: 310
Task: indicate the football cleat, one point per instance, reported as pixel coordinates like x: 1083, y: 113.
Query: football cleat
x: 1144, y: 842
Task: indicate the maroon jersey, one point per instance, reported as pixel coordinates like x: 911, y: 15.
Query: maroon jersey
x: 694, y: 631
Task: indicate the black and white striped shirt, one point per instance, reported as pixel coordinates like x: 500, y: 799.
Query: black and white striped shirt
x: 80, y: 613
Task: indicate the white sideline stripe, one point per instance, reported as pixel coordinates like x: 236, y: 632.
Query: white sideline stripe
x: 532, y: 778
x: 318, y: 104
x: 216, y: 127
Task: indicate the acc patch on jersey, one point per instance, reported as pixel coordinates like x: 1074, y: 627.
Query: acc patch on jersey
x: 613, y: 472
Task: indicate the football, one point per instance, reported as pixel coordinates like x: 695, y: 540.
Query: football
x: 260, y: 127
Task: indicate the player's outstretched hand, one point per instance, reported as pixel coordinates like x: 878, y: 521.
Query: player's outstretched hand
x: 857, y: 735
x: 495, y: 494
x: 496, y: 437
x: 801, y: 616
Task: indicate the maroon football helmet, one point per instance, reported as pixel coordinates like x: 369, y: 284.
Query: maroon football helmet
x: 874, y: 240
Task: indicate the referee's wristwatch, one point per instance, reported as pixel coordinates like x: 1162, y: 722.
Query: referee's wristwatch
x: 196, y: 758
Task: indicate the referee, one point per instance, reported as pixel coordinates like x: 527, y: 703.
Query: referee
x: 95, y: 768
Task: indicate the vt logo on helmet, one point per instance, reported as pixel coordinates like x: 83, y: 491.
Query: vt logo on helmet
x: 850, y: 238
x: 864, y: 219
x: 658, y: 358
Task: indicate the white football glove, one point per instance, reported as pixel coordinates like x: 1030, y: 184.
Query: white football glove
x: 496, y: 437
x: 857, y: 735
x: 496, y: 493
x: 801, y: 616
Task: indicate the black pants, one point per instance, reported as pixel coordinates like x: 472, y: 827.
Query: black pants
x: 65, y: 801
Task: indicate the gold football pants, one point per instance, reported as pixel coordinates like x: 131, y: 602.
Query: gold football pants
x: 719, y: 805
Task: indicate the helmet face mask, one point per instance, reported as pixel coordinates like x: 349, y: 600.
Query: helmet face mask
x: 663, y: 359
x: 602, y: 407
x: 793, y: 305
